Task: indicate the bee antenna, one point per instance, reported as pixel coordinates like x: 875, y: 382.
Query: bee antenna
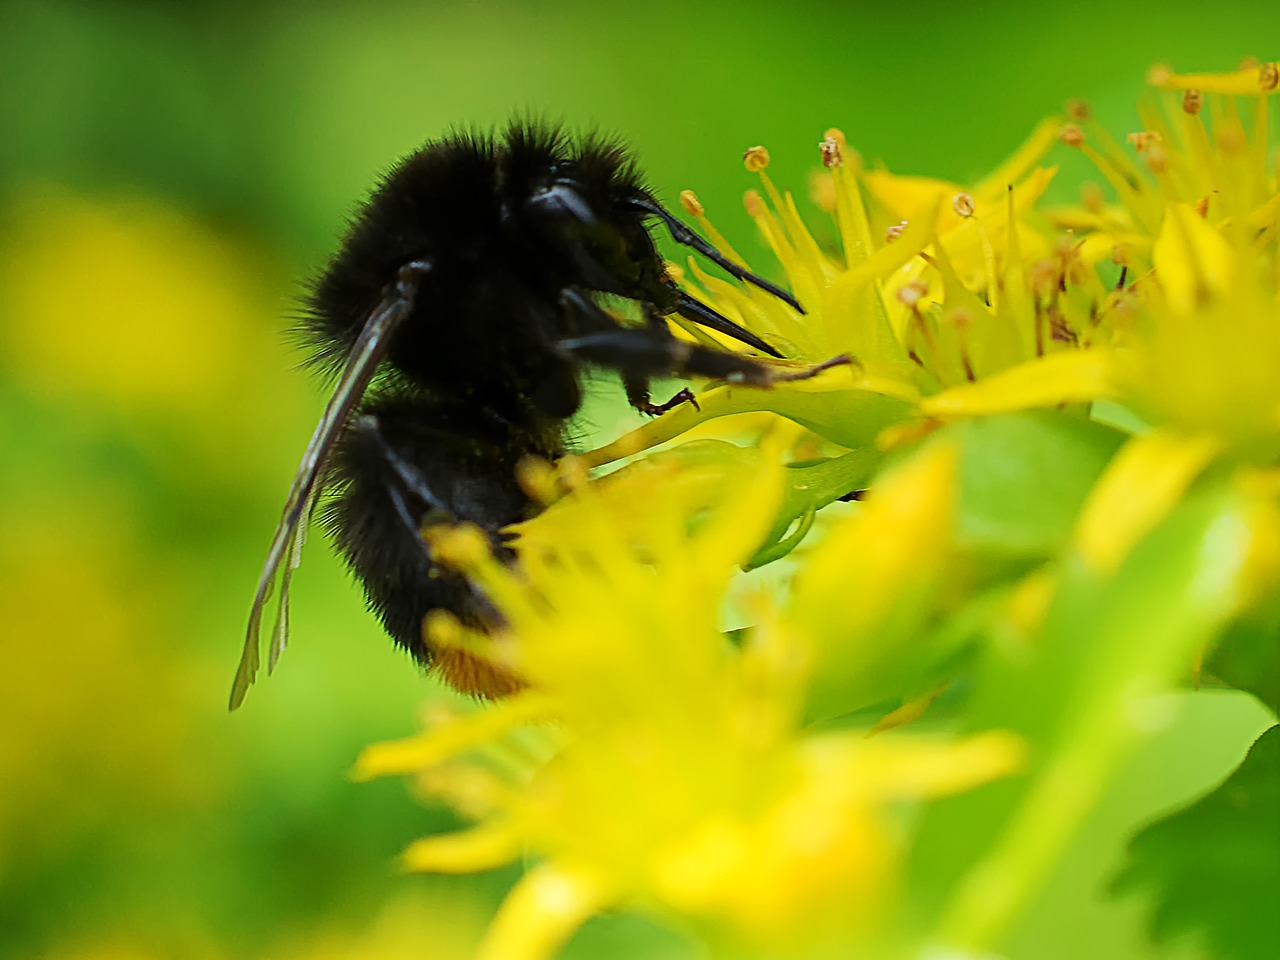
x: 683, y: 234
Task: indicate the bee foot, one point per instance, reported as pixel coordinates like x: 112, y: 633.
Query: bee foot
x: 656, y: 409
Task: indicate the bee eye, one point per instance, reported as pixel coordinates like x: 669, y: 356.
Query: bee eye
x: 562, y: 201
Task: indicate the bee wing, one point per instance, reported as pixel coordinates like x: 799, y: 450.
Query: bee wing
x: 286, y: 546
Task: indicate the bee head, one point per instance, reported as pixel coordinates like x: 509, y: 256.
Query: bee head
x: 597, y: 230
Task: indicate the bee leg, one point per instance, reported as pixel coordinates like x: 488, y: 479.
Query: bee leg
x: 645, y: 353
x: 638, y: 394
x: 384, y: 501
x: 640, y: 354
x: 653, y: 352
x: 381, y: 470
x: 637, y: 387
x: 683, y: 234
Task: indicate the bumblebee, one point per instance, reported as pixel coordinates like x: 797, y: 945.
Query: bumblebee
x: 458, y: 318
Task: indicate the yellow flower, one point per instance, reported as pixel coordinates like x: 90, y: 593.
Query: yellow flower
x: 1195, y: 229
x: 933, y: 286
x: 1192, y: 340
x: 654, y: 765
x: 671, y: 773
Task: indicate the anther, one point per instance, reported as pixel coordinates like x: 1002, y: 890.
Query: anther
x: 1268, y: 76
x: 910, y: 294
x: 573, y: 472
x: 1071, y: 135
x: 1091, y: 197
x: 894, y: 232
x: 1059, y: 329
x: 756, y: 159
x: 464, y: 546
x: 836, y: 134
x: 831, y: 156
x: 1078, y: 110
x: 1230, y: 140
x: 538, y: 479
x: 444, y: 630
x: 1157, y: 162
x: 1045, y: 277
x: 692, y: 205
x: 1192, y: 101
x: 962, y: 203
x: 1142, y: 140
x: 754, y: 203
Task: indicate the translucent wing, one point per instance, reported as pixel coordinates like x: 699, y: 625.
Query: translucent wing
x: 286, y: 546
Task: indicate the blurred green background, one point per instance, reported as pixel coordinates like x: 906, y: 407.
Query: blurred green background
x: 168, y: 172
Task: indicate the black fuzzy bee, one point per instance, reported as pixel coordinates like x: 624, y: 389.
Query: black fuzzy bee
x: 458, y: 317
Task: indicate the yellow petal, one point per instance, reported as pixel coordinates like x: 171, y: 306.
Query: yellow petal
x: 1261, y: 574
x: 905, y: 195
x: 1141, y: 485
x: 1044, y: 136
x: 911, y: 710
x: 860, y: 622
x: 484, y: 847
x: 910, y: 509
x: 433, y: 746
x: 1069, y: 377
x: 540, y: 913
x: 914, y: 769
x: 1192, y: 259
x: 733, y: 535
x: 1248, y: 80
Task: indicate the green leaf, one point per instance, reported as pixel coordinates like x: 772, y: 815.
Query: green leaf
x: 1248, y: 657
x: 1215, y: 866
x: 851, y: 418
x: 1024, y: 477
x: 810, y: 486
x: 1080, y: 694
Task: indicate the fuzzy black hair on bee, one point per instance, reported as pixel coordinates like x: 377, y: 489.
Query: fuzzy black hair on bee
x: 457, y: 319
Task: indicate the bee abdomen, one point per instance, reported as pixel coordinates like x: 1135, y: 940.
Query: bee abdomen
x: 403, y: 465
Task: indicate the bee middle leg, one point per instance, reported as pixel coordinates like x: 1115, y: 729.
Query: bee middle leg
x: 637, y: 386
x: 644, y: 353
x: 638, y: 395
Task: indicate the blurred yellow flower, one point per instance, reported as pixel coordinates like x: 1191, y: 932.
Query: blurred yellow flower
x: 1194, y: 337
x: 653, y: 764
x: 130, y: 308
x: 87, y: 281
x: 1194, y: 333
x: 672, y: 773
x: 118, y: 309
